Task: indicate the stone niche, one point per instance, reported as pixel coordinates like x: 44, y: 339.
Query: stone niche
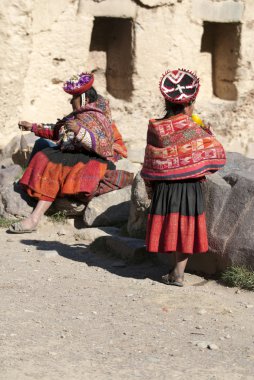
x: 114, y: 36
x: 222, y: 41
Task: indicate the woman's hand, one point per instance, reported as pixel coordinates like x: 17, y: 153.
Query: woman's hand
x: 71, y: 125
x: 25, y: 125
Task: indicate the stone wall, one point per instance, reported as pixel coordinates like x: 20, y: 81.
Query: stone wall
x: 128, y: 44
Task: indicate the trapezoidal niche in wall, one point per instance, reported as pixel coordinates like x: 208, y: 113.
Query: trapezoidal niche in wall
x: 114, y: 36
x: 222, y: 40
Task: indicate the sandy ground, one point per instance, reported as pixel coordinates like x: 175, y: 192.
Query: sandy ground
x: 67, y: 313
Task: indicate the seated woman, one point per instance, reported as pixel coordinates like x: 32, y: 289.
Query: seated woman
x: 82, y: 162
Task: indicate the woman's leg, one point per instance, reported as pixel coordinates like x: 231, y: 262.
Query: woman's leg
x: 176, y: 276
x: 181, y: 260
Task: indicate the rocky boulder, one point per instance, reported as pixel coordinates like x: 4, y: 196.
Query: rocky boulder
x: 13, y: 199
x: 108, y: 209
x: 9, y: 174
x: 138, y: 208
x: 15, y: 202
x: 19, y: 148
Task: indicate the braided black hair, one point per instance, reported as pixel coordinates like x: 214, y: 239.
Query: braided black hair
x: 92, y: 95
x: 173, y: 109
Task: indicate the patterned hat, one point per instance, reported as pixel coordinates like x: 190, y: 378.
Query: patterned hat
x: 78, y: 84
x: 179, y: 86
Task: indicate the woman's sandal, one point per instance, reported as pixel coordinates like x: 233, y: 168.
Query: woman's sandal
x: 17, y: 228
x: 171, y: 279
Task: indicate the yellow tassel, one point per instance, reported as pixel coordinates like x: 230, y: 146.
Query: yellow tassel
x: 197, y: 120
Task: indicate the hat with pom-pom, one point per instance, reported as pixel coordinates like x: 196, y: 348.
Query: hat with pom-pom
x: 179, y: 86
x: 78, y: 84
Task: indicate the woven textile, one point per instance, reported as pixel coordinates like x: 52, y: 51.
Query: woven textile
x: 176, y: 220
x: 178, y: 148
x: 53, y: 173
x: 119, y: 148
x: 179, y: 86
x: 93, y: 119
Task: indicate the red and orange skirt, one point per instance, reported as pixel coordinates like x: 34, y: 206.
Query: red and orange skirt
x: 52, y: 173
x: 176, y: 220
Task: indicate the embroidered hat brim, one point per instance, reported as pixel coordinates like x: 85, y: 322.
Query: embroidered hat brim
x: 179, y: 86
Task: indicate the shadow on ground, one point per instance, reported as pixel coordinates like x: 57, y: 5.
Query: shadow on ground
x: 150, y: 268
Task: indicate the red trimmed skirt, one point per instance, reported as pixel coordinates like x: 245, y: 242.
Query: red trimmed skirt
x: 176, y: 220
x: 53, y: 173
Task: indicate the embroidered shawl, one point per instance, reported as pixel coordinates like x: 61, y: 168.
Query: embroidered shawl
x: 178, y: 148
x: 95, y: 130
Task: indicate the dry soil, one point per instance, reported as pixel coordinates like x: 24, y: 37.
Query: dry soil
x: 68, y: 313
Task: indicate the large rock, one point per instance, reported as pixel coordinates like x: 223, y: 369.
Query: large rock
x: 6, y: 163
x: 9, y: 174
x: 138, y: 209
x: 229, y: 197
x: 237, y: 163
x: 92, y: 234
x: 129, y: 166
x: 15, y: 202
x: 108, y: 209
x: 14, y: 151
x: 11, y: 148
x: 232, y: 235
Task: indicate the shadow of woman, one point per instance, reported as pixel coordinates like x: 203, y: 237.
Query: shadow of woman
x: 149, y: 268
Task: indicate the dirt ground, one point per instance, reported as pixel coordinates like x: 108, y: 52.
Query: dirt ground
x: 70, y: 314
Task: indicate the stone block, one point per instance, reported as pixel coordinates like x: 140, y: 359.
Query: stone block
x: 123, y: 247
x: 241, y: 194
x: 16, y: 202
x: 125, y: 164
x: 12, y: 147
x: 9, y: 174
x: 93, y: 233
x: 237, y: 163
x: 126, y: 248
x: 138, y: 209
x: 108, y: 209
x: 239, y: 248
x: 222, y: 11
x: 136, y: 154
x: 216, y: 192
x: 124, y: 9
x: 6, y: 163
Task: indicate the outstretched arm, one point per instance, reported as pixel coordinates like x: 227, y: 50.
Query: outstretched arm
x: 47, y: 131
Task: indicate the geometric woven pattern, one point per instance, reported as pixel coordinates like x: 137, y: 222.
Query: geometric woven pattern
x: 178, y: 148
x: 179, y: 86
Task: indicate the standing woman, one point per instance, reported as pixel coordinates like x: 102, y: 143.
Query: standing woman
x: 179, y: 153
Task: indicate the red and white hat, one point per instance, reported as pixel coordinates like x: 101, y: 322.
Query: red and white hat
x: 78, y: 84
x: 179, y: 86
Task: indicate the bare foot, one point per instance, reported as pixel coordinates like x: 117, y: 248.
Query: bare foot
x: 26, y: 225
x: 29, y: 223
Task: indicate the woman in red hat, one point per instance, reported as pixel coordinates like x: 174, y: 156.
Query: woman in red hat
x: 179, y: 153
x: 82, y: 162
